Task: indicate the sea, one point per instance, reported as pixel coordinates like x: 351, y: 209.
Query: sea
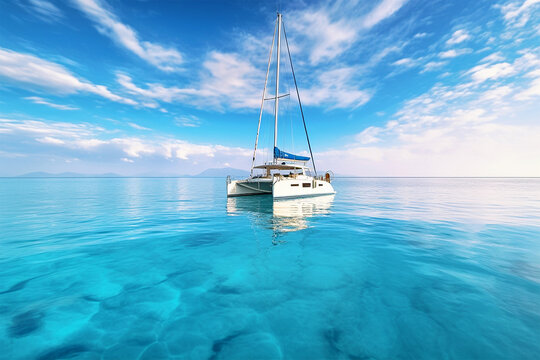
x: 169, y: 268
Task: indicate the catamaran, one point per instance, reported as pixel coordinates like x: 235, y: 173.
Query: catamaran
x: 287, y: 175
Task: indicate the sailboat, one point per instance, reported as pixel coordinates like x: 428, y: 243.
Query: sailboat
x: 287, y: 175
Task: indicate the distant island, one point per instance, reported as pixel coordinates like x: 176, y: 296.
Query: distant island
x: 220, y: 172
x: 213, y: 172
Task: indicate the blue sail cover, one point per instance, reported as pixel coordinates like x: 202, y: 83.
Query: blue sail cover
x: 278, y: 154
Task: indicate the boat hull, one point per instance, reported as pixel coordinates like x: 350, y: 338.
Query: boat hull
x: 291, y: 188
x: 280, y: 188
x: 249, y: 187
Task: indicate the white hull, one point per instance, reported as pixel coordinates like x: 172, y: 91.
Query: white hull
x: 280, y: 187
x: 290, y: 188
x: 249, y: 187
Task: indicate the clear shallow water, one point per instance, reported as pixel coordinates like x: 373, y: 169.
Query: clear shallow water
x: 169, y: 268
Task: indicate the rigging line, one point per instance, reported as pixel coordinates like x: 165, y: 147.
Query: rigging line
x: 291, y: 120
x: 262, y: 101
x: 299, y: 102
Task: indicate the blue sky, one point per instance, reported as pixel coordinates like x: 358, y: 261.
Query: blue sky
x: 390, y: 88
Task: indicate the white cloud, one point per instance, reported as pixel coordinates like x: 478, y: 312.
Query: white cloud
x: 187, y: 121
x: 327, y: 38
x: 532, y: 90
x: 50, y: 140
x: 335, y: 88
x: 495, y: 57
x: 445, y: 140
x: 458, y: 37
x: 369, y: 135
x: 86, y: 144
x: 483, y: 150
x: 166, y: 59
x: 406, y: 62
x: 232, y: 79
x: 496, y: 93
x: 473, y: 128
x: 57, y: 130
x: 38, y: 100
x: 138, y: 127
x: 29, y: 69
x: 519, y: 14
x: 433, y: 65
x: 154, y: 91
x: 420, y: 35
x: 96, y: 142
x: 326, y: 32
x: 485, y: 72
x: 380, y: 55
x: 454, y: 53
x: 383, y: 10
x: 45, y: 10
x: 226, y: 80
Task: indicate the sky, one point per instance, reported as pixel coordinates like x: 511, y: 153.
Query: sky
x: 161, y: 88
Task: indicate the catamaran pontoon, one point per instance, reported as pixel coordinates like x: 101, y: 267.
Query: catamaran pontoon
x: 287, y: 175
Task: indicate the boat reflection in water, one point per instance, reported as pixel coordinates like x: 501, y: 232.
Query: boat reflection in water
x: 280, y: 216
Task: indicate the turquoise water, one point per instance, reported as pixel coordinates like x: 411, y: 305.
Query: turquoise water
x: 169, y: 268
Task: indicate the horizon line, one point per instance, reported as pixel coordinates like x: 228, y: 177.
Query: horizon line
x: 197, y: 176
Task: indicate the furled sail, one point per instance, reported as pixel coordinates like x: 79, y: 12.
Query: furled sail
x: 279, y: 154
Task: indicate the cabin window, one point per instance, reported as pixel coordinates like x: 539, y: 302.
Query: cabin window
x: 306, y: 184
x: 294, y: 184
x: 320, y: 184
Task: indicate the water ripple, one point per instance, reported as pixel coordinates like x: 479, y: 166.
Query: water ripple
x: 171, y: 268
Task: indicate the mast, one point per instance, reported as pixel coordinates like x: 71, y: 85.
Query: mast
x: 276, y: 108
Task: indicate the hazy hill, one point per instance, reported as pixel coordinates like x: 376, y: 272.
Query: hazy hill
x: 222, y: 172
x: 215, y: 172
x: 67, y: 174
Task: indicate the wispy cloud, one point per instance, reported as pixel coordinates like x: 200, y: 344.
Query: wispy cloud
x: 187, y: 121
x: 369, y: 135
x: 433, y: 65
x: 495, y: 57
x: 420, y: 35
x: 328, y: 30
x: 452, y: 53
x: 458, y: 37
x: 56, y: 130
x: 45, y: 10
x: 38, y: 100
x: 164, y: 58
x: 230, y: 78
x: 474, y: 127
x: 485, y: 72
x: 406, y: 62
x: 336, y: 89
x: 532, y: 90
x: 154, y: 91
x: 383, y: 10
x: 138, y: 127
x: 50, y: 140
x: 518, y: 13
x: 87, y: 142
x: 226, y: 80
x: 327, y: 38
x: 29, y: 69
